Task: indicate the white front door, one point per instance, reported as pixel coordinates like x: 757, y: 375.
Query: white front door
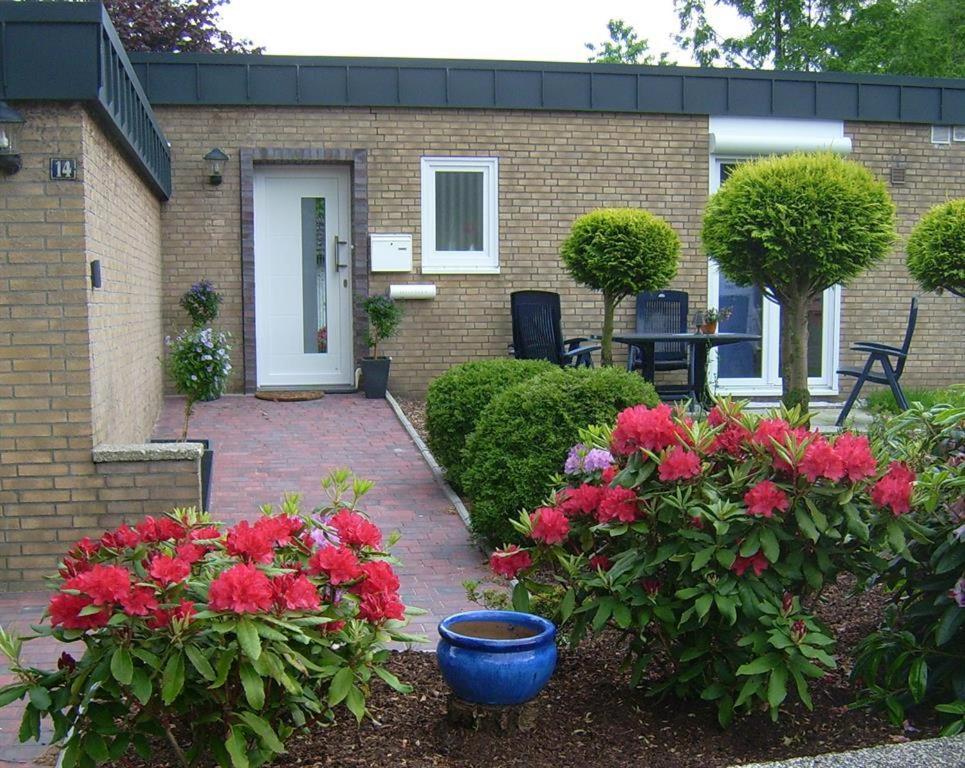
x: 303, y: 277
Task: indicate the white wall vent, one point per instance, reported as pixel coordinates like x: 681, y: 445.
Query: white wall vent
x: 958, y: 133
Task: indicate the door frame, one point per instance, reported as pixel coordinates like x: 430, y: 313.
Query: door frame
x: 357, y: 162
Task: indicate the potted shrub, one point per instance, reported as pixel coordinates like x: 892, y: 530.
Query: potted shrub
x: 384, y: 318
x: 711, y: 317
x: 199, y: 361
x: 202, y: 303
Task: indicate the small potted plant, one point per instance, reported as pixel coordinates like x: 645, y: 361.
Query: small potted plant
x: 199, y: 361
x: 713, y: 316
x: 201, y: 303
x: 384, y: 318
x: 322, y: 338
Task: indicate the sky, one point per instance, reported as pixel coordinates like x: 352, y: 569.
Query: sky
x: 532, y: 30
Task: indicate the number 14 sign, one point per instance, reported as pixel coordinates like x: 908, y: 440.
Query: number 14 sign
x: 63, y: 168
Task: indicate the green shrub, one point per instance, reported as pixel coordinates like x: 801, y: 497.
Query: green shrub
x: 457, y: 398
x: 936, y: 248
x: 793, y: 226
x: 620, y: 252
x: 883, y: 401
x: 523, y: 436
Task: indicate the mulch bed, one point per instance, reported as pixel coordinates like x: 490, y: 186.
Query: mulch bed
x: 415, y: 412
x: 588, y: 717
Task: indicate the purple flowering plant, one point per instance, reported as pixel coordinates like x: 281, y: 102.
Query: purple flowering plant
x: 201, y: 302
x: 583, y: 460
x: 199, y: 361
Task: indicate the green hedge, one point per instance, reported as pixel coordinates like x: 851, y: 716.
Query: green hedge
x: 523, y: 436
x: 457, y: 398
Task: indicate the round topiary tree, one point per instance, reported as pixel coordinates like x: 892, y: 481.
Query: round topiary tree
x: 793, y: 226
x: 456, y: 400
x: 620, y: 252
x: 936, y: 248
x: 523, y: 436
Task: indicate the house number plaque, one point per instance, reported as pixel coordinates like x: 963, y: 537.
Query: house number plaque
x: 63, y: 168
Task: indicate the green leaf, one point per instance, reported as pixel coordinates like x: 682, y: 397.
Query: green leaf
x: 950, y: 622
x: 122, y: 666
x: 172, y: 679
x: 896, y: 537
x: 726, y: 558
x: 727, y: 607
x: 702, y: 558
x: 263, y: 731
x: 520, y: 598
x: 253, y: 685
x: 200, y: 662
x: 622, y: 616
x: 702, y: 604
x: 237, y: 749
x: 772, y: 550
x: 96, y: 748
x: 777, y: 687
x: 141, y: 685
x: 567, y: 604
x: 759, y: 665
x: 918, y: 679
x: 392, y: 681
x: 341, y: 684
x: 806, y: 525
x: 802, y: 688
x: 355, y: 702
x: 602, y: 614
x: 248, y: 638
x: 39, y: 697
x: 11, y: 693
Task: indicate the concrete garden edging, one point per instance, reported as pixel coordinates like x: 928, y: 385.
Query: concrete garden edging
x: 944, y: 752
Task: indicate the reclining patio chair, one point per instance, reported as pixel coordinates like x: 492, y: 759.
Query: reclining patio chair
x: 882, y: 354
x: 662, y: 312
x: 537, y: 333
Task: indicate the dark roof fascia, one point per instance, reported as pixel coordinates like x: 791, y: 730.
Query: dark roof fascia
x: 71, y: 52
x: 238, y: 79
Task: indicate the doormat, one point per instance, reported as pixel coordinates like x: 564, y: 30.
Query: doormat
x: 290, y: 395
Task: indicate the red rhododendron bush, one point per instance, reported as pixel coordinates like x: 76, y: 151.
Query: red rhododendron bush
x: 223, y: 642
x: 706, y: 543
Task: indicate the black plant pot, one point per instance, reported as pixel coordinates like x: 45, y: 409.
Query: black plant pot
x: 207, y: 467
x: 375, y: 376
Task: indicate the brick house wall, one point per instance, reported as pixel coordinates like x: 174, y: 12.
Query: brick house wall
x: 51, y: 490
x: 554, y: 166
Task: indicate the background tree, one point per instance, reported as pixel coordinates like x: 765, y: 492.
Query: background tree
x: 620, y: 252
x: 174, y: 26
x: 623, y: 47
x: 793, y: 226
x: 936, y: 248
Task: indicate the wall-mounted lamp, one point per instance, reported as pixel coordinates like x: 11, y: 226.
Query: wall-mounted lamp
x: 215, y: 160
x: 10, y: 124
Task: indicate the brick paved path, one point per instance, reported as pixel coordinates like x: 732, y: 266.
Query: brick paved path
x: 263, y: 449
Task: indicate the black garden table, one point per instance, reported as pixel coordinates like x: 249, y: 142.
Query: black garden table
x: 701, y: 343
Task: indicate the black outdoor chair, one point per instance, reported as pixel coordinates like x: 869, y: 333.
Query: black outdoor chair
x: 882, y: 354
x: 538, y: 335
x: 662, y: 312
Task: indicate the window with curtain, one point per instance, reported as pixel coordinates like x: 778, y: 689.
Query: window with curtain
x: 459, y: 215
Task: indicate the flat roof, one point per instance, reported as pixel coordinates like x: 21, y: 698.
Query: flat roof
x: 235, y: 79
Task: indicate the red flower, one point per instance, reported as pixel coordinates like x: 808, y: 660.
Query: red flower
x: 102, y: 583
x: 207, y: 533
x: 376, y: 607
x: 240, y: 589
x: 821, y: 460
x: 769, y: 430
x: 250, y: 543
x: 84, y: 549
x: 894, y: 490
x: 757, y: 562
x: 617, y: 503
x: 338, y: 563
x: 167, y: 570
x: 600, y: 561
x: 355, y: 531
x: 379, y: 577
x: 580, y: 501
x: 855, y: 454
x: 73, y: 567
x: 159, y: 529
x: 65, y: 612
x: 510, y: 561
x: 295, y: 592
x: 732, y: 440
x: 607, y: 475
x: 549, y: 525
x: 765, y: 498
x: 641, y: 427
x: 162, y: 617
x: 651, y: 586
x: 279, y: 530
x: 124, y: 537
x: 140, y: 602
x: 191, y: 553
x: 715, y: 417
x: 679, y: 464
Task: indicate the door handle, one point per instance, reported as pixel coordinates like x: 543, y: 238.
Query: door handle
x: 336, y: 243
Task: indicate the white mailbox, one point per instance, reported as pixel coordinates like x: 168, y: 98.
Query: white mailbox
x: 391, y: 253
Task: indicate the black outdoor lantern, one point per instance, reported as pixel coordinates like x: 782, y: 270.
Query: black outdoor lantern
x: 215, y: 160
x: 10, y: 122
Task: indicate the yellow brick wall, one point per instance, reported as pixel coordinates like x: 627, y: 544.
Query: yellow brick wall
x: 122, y: 223
x: 51, y: 492
x: 553, y: 167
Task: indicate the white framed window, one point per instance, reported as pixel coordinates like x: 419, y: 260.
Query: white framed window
x: 460, y: 216
x: 941, y: 134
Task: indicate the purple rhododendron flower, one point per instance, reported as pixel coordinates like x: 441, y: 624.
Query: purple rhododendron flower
x: 597, y: 459
x: 574, y: 462
x: 957, y: 593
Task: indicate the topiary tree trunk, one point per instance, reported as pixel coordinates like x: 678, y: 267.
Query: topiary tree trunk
x: 610, y: 303
x: 794, y: 350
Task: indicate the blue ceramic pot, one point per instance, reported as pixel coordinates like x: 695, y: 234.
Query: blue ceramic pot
x: 497, y: 672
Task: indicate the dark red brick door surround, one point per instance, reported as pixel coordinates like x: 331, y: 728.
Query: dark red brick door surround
x: 357, y: 161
